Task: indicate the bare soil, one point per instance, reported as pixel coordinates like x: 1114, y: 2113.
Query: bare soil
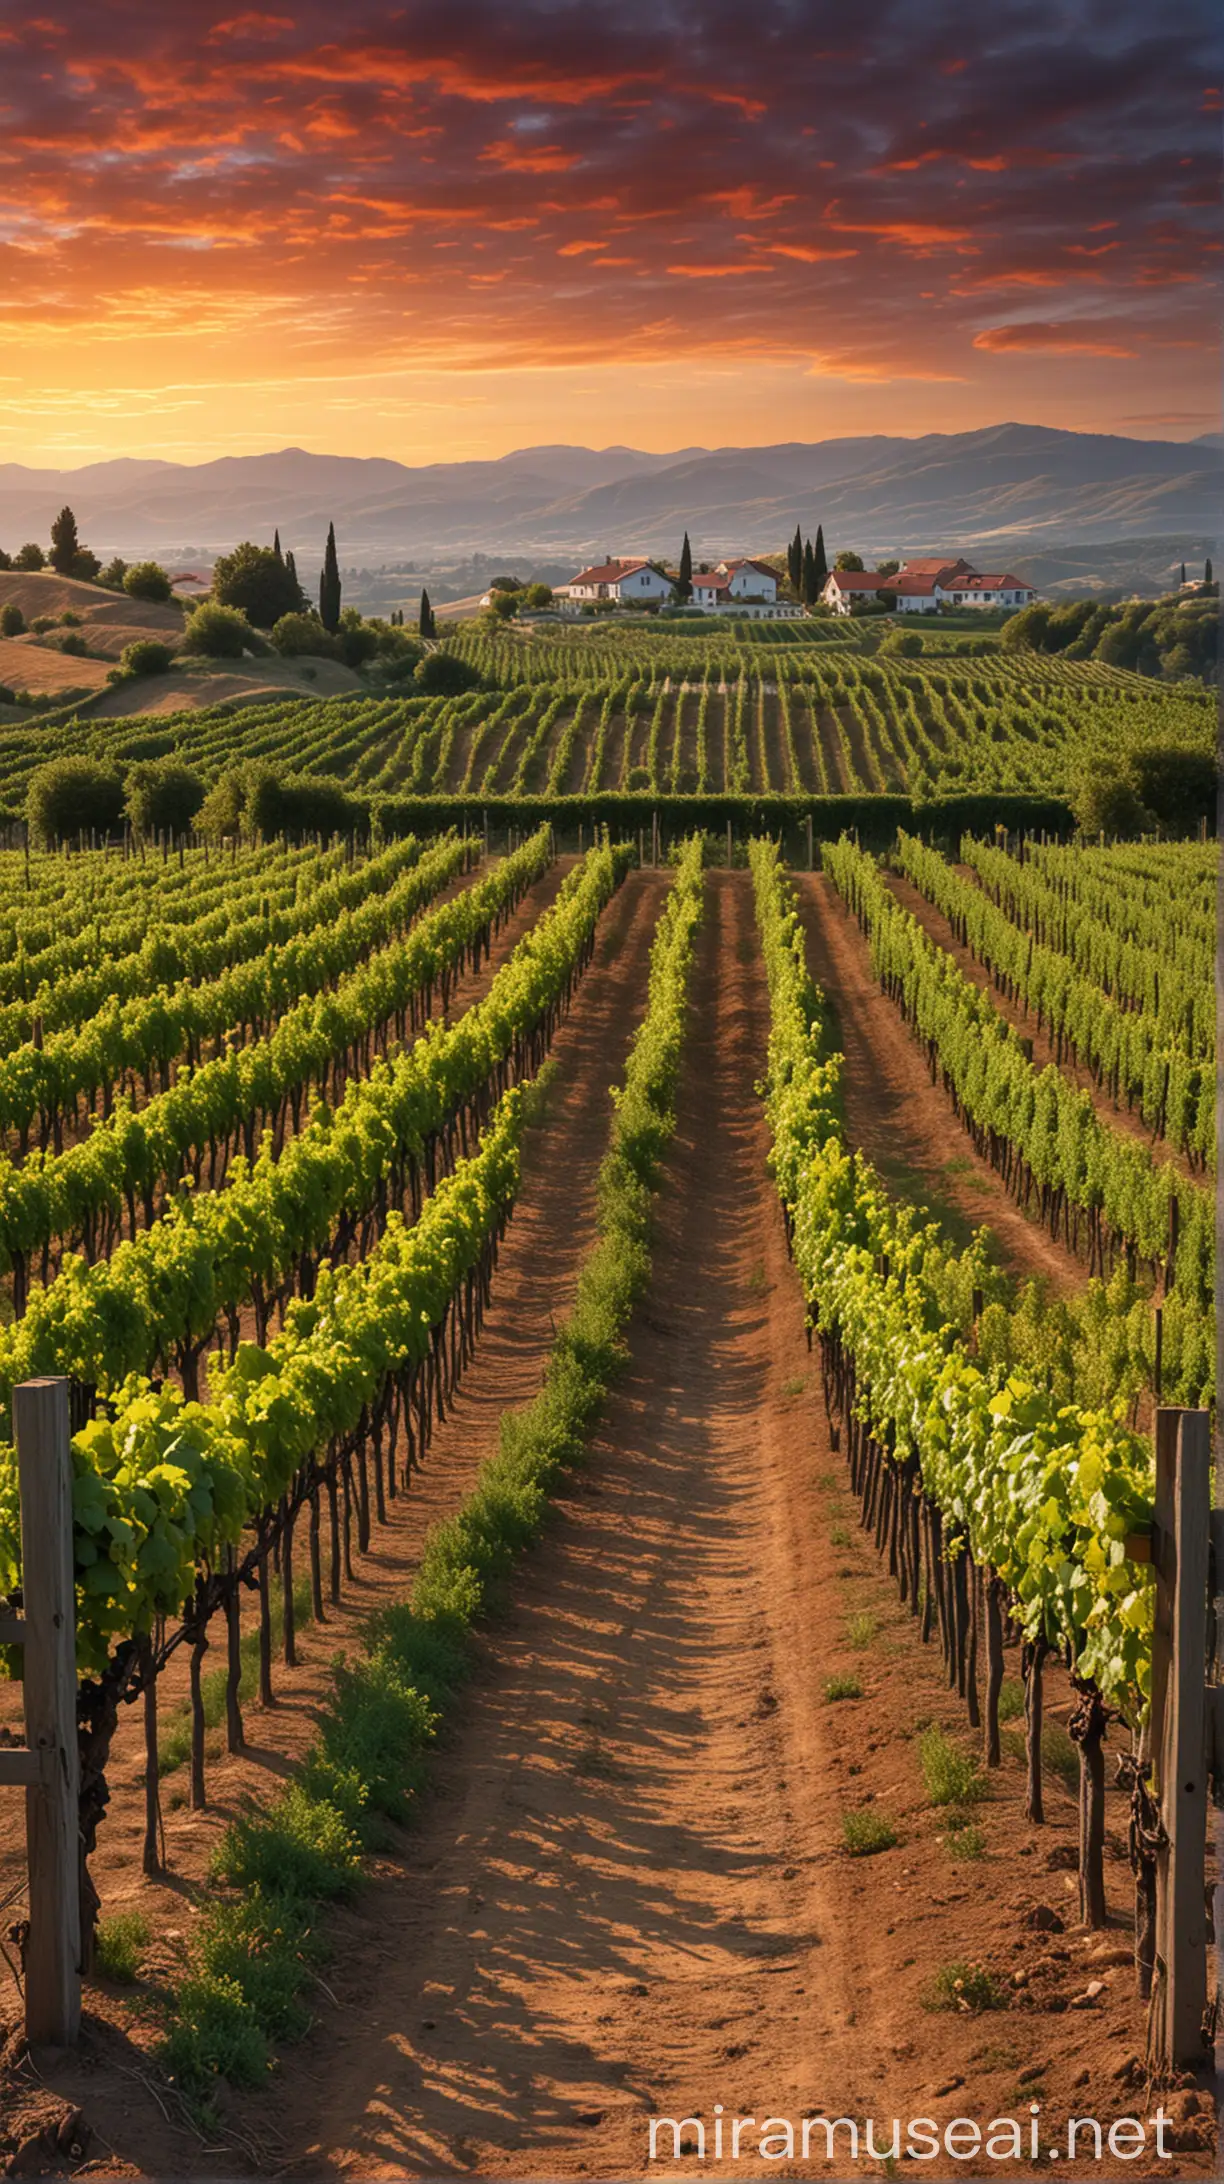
x: 627, y: 1892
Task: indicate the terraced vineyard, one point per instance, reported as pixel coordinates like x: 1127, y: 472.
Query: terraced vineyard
x: 819, y: 1243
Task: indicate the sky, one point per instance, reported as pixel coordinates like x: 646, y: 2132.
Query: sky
x: 444, y: 231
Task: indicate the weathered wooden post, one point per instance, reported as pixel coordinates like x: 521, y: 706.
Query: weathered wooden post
x: 1179, y: 1734
x: 51, y: 1769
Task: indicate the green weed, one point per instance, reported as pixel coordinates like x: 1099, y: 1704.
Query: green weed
x: 118, y: 1944
x: 866, y: 1832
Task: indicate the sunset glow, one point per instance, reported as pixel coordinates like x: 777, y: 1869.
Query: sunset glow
x: 435, y: 233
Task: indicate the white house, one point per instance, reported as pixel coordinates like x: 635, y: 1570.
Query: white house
x: 750, y: 580
x: 628, y: 583
x: 923, y: 586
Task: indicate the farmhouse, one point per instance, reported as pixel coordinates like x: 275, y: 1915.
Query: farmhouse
x: 627, y: 583
x: 923, y: 586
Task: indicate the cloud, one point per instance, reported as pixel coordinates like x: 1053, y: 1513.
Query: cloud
x: 550, y: 183
x: 1048, y: 340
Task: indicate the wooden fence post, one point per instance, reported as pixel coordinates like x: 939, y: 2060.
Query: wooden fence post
x: 44, y: 1466
x: 1179, y: 1734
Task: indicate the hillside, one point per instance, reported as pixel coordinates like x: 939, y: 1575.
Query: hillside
x: 1008, y: 484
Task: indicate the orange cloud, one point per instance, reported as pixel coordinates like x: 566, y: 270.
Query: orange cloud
x: 1049, y: 339
x: 524, y: 159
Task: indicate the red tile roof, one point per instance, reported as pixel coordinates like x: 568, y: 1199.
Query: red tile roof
x: 860, y: 579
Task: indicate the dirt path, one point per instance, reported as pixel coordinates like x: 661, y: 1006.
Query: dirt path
x: 902, y: 1121
x: 1113, y: 1115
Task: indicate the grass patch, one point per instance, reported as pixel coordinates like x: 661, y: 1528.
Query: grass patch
x: 842, y: 1687
x: 838, y: 1536
x: 949, y: 1775
x: 795, y: 1386
x: 1011, y: 1699
x: 969, y: 1988
x: 118, y: 1945
x: 1059, y: 1756
x: 866, y: 1832
x: 861, y: 1630
x: 966, y: 1843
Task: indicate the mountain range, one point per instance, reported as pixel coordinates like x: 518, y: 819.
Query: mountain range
x: 990, y: 493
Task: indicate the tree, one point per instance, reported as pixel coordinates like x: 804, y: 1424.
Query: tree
x: 329, y: 584
x: 113, y: 574
x: 29, y: 556
x: 1183, y: 572
x: 822, y: 566
x: 445, y: 675
x: 1176, y: 783
x: 6, y: 560
x: 887, y: 568
x: 1105, y: 801
x: 358, y: 642
x: 807, y: 578
x: 276, y: 544
x: 146, y: 656
x: 849, y: 561
x: 684, y: 589
x: 12, y: 620
x: 794, y: 561
x: 85, y: 565
x: 65, y: 545
x: 303, y: 635
x: 71, y: 796
x: 539, y: 595
x: 221, y: 813
x: 147, y: 580
x: 426, y: 622
x: 255, y: 581
x: 1207, y: 576
x: 163, y: 796
x: 217, y: 633
x: 502, y: 606
x: 291, y: 568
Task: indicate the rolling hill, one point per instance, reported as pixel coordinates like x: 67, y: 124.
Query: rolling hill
x: 996, y: 490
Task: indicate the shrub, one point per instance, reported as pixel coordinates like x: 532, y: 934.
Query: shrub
x: 224, y: 806
x: 300, y: 1847
x: 118, y: 1944
x: 216, y: 2034
x: 74, y: 643
x: 163, y: 796
x: 146, y: 580
x: 302, y: 804
x: 258, y: 583
x: 358, y: 642
x: 12, y: 620
x: 842, y: 1687
x: 864, y: 1833
x: 113, y: 574
x: 502, y: 605
x: 69, y: 796
x: 298, y: 635
x: 861, y: 1630
x: 1105, y: 802
x: 145, y: 656
x: 967, y: 1843
x: 445, y: 675
x: 966, y: 1987
x: 218, y: 633
x: 950, y: 1776
x: 41, y: 623
x: 29, y: 556
x: 903, y: 642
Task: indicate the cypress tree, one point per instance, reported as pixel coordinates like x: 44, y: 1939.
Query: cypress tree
x: 291, y: 567
x: 276, y: 546
x: 822, y: 566
x: 809, y: 585
x: 65, y: 545
x: 685, y: 586
x: 329, y: 584
x: 1207, y: 577
x: 1183, y: 574
x: 428, y: 626
x: 794, y: 561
